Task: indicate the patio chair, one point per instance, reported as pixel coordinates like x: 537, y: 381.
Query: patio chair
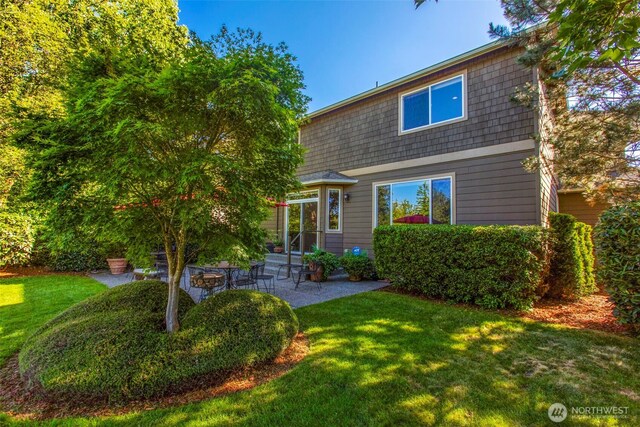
x: 246, y: 279
x: 267, y: 279
x: 304, y: 271
x: 208, y: 283
x: 289, y: 267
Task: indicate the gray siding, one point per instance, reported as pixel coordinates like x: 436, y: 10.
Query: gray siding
x: 488, y: 190
x: 366, y: 133
x: 333, y: 243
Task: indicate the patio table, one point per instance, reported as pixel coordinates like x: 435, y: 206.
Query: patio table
x: 145, y: 273
x: 228, y: 270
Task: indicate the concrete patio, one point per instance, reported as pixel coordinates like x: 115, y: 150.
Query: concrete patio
x: 306, y: 294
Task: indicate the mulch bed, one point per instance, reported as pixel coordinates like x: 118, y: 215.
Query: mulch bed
x: 12, y: 272
x: 22, y: 402
x: 593, y: 312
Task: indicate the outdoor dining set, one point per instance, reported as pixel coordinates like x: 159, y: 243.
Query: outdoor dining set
x: 214, y: 278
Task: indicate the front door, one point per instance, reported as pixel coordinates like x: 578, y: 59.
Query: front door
x: 302, y: 214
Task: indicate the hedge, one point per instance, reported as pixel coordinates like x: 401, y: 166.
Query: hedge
x: 113, y: 346
x: 491, y: 266
x: 16, y: 239
x: 617, y: 237
x: 571, y: 271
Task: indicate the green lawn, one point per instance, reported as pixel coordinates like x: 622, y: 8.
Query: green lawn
x: 28, y: 302
x: 385, y: 359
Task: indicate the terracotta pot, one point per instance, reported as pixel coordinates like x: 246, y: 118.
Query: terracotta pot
x: 117, y: 265
x: 278, y: 249
x: 355, y: 278
x: 317, y: 276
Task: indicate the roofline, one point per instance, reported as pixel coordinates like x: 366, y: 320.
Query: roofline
x: 489, y: 47
x: 330, y: 181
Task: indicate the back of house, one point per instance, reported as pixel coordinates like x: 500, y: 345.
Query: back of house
x: 444, y: 145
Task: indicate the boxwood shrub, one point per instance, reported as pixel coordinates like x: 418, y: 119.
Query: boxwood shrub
x: 491, y: 266
x: 571, y: 272
x: 113, y: 346
x: 617, y: 237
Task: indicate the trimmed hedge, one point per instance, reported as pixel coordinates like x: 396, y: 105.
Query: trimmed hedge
x: 491, y: 266
x: 617, y: 237
x: 113, y: 346
x: 571, y: 271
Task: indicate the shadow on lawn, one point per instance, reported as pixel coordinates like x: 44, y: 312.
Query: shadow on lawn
x: 387, y: 359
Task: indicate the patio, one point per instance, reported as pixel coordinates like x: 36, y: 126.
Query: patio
x: 306, y: 294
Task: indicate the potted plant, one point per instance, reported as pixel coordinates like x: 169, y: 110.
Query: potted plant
x: 115, y: 258
x: 323, y: 262
x: 358, y: 266
x: 278, y: 245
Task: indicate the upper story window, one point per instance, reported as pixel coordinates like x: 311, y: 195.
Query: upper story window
x: 438, y: 103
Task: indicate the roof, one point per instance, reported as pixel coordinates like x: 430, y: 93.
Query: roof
x: 489, y: 47
x: 326, y: 177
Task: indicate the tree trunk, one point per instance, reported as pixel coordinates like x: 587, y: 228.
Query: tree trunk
x: 176, y: 268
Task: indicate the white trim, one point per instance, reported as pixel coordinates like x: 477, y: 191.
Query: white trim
x: 330, y: 181
x: 463, y: 77
x: 414, y: 76
x: 374, y: 185
x: 328, y: 229
x: 492, y: 150
x: 299, y: 202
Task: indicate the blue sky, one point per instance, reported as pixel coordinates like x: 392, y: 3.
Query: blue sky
x: 344, y: 47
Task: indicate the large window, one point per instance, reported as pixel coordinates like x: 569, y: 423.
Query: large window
x: 334, y: 205
x: 421, y: 201
x: 437, y: 103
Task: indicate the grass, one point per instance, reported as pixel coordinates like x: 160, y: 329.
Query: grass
x: 28, y: 302
x: 386, y: 359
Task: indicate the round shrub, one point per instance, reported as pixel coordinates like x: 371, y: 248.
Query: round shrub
x: 357, y: 266
x: 617, y: 237
x: 114, y: 345
x: 237, y: 328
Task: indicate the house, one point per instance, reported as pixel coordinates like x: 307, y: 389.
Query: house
x: 443, y: 145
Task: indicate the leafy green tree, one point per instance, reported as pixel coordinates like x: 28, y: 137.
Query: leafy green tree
x: 41, y: 42
x: 184, y: 155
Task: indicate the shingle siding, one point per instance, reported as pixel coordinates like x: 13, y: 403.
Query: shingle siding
x: 366, y: 133
x: 489, y: 190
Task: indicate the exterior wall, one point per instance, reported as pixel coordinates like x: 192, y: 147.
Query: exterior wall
x: 366, y: 133
x: 548, y: 183
x: 271, y: 225
x: 486, y: 190
x: 575, y: 204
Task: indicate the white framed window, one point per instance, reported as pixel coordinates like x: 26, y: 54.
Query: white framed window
x: 303, y: 195
x: 428, y: 200
x: 334, y: 210
x: 433, y: 105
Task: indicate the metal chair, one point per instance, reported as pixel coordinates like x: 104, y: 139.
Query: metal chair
x: 246, y: 278
x: 267, y: 279
x: 289, y: 267
x: 303, y: 272
x: 208, y: 283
